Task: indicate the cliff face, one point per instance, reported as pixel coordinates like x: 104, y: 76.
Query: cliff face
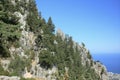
x: 37, y: 52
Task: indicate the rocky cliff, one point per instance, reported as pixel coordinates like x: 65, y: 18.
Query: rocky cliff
x: 33, y: 50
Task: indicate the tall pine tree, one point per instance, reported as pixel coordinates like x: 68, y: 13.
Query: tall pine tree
x: 51, y: 26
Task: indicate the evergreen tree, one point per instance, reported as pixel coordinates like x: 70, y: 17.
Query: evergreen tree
x: 32, y: 17
x: 51, y: 27
x: 9, y: 28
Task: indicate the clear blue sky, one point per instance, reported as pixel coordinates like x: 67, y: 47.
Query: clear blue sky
x: 94, y: 22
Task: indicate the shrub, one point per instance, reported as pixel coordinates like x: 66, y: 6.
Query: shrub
x: 17, y: 66
x: 2, y: 71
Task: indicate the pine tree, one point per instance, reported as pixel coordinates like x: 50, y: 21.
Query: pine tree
x: 32, y: 17
x: 51, y: 27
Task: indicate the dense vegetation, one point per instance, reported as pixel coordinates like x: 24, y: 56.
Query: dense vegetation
x: 55, y: 50
x: 9, y: 28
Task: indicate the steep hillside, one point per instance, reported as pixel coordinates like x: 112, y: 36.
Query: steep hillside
x: 31, y: 50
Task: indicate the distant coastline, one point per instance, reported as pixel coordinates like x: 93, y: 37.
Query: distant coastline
x: 110, y: 60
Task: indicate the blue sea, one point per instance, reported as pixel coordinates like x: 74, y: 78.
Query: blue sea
x: 110, y: 60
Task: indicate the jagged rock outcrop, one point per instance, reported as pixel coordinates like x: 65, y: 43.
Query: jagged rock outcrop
x: 9, y: 78
x: 113, y: 76
x: 101, y: 70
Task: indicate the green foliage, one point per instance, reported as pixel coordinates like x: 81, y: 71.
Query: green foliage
x: 27, y: 78
x: 4, y: 51
x: 61, y: 54
x: 90, y: 74
x: 8, y: 6
x: 3, y: 72
x: 47, y: 56
x: 18, y: 65
x: 50, y: 26
x: 89, y: 55
x: 9, y: 18
x: 83, y: 44
x: 9, y: 34
x: 9, y: 27
x: 32, y: 17
x: 64, y: 56
x: 46, y: 59
x: 1, y: 7
x: 103, y: 70
x: 6, y: 13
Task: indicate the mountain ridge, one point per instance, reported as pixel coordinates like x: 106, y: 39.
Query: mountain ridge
x: 30, y: 49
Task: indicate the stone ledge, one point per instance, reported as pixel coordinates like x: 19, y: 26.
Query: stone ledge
x: 9, y: 78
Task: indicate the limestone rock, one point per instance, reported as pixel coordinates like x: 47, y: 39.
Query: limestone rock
x: 113, y: 76
x: 9, y: 78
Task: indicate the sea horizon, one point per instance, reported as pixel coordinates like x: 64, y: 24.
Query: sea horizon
x: 110, y: 60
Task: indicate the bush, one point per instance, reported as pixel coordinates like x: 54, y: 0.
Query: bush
x: 46, y: 59
x: 9, y: 34
x: 2, y: 71
x: 17, y: 66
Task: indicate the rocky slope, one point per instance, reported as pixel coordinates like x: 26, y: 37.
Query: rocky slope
x: 113, y: 76
x: 42, y: 54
